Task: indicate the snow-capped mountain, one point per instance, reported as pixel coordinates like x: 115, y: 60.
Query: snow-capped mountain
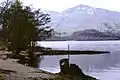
x: 83, y: 17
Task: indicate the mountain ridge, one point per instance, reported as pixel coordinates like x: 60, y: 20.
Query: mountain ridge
x: 82, y: 17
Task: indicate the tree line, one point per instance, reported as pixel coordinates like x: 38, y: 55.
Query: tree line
x: 22, y: 26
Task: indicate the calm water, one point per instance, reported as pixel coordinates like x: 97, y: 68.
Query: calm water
x: 101, y: 66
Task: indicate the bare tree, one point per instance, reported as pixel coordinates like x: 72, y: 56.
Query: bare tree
x: 3, y: 7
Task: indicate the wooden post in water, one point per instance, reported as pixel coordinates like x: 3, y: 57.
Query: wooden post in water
x: 68, y: 54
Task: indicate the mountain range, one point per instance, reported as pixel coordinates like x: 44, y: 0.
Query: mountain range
x: 83, y: 17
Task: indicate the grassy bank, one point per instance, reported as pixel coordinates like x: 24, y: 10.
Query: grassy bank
x: 73, y: 52
x: 50, y: 51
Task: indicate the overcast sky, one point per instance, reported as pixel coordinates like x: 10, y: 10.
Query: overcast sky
x: 60, y: 5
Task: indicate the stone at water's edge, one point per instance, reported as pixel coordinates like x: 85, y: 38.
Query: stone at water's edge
x: 73, y: 70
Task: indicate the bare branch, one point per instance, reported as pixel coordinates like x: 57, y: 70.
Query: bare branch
x: 4, y: 5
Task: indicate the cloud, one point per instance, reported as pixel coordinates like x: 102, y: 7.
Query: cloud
x: 60, y: 5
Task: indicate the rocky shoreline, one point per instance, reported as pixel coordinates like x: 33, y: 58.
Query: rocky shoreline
x: 11, y: 70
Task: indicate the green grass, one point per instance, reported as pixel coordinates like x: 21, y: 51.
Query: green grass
x: 1, y: 76
x: 58, y: 78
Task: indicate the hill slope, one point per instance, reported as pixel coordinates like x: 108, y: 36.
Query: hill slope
x: 83, y: 17
x: 90, y: 34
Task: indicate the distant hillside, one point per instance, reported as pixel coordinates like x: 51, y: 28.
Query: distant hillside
x: 83, y: 17
x: 90, y: 34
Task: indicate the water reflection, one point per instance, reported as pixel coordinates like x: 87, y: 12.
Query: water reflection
x: 102, y: 66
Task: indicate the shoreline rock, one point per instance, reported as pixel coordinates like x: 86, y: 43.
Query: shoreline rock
x: 73, y: 71
x: 15, y: 71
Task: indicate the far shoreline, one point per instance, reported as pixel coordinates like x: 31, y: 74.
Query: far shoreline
x: 73, y: 40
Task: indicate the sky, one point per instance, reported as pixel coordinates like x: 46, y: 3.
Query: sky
x: 61, y: 5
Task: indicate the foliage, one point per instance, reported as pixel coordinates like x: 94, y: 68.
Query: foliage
x: 22, y: 26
